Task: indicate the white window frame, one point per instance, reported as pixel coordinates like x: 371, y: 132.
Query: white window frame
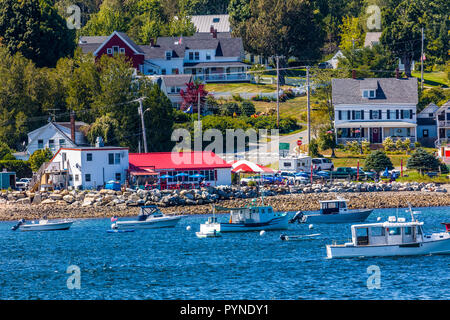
x: 109, y: 51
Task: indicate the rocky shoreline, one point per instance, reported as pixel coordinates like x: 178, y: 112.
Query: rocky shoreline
x: 106, y: 203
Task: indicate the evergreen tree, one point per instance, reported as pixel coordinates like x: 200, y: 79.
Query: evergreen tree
x: 378, y: 161
x: 422, y: 161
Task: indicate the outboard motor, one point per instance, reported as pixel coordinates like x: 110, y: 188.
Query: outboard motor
x: 21, y: 221
x: 298, y: 217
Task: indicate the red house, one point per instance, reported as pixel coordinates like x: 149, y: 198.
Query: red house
x: 119, y: 42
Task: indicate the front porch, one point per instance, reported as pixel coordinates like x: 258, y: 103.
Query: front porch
x: 218, y: 72
x: 375, y: 133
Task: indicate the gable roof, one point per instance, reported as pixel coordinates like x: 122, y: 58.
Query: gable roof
x: 224, y: 46
x: 431, y: 108
x: 388, y: 90
x: 176, y: 79
x: 124, y: 37
x: 220, y: 22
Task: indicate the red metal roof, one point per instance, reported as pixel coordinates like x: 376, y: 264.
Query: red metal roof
x: 195, y: 160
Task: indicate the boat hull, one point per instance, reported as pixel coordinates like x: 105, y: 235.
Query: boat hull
x: 278, y: 223
x: 423, y: 248
x: 208, y: 235
x: 46, y: 227
x: 165, y: 222
x: 346, y: 217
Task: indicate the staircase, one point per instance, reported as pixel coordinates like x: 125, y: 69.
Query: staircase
x: 36, y: 179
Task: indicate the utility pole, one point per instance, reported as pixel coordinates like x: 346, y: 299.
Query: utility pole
x: 308, y: 106
x: 198, y: 108
x: 421, y: 65
x: 278, y: 93
x: 141, y: 112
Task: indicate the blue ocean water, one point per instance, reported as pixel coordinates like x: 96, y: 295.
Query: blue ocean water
x: 175, y: 264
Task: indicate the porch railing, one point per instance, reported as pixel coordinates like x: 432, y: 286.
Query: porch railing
x: 444, y: 124
x: 349, y: 139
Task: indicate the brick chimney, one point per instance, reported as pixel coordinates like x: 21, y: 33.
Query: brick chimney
x: 211, y: 29
x: 354, y: 74
x: 397, y: 73
x: 72, y: 126
x: 152, y: 42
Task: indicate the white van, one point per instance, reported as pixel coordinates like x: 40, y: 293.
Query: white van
x: 322, y: 164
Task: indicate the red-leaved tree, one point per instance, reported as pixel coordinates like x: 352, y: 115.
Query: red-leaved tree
x: 191, y: 94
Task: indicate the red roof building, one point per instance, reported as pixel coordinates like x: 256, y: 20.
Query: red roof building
x: 214, y: 169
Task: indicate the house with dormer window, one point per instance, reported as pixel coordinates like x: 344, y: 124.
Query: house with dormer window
x: 213, y: 56
x: 373, y: 109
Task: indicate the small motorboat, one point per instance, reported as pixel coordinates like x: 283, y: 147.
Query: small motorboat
x: 300, y: 237
x: 395, y: 237
x: 209, y: 229
x: 333, y: 211
x: 119, y: 231
x: 150, y: 217
x: 43, y: 225
x: 254, y: 218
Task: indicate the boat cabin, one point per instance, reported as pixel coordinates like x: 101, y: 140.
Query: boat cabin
x: 147, y: 211
x: 333, y: 206
x: 393, y: 232
x: 254, y: 214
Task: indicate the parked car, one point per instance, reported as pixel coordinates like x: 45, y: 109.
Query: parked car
x: 344, y: 173
x: 325, y: 65
x: 322, y: 164
x: 366, y: 174
x: 289, y: 176
x: 21, y: 186
x: 272, y: 179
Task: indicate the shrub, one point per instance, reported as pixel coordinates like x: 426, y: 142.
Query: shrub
x: 378, y: 161
x: 251, y: 183
x: 314, y: 149
x: 39, y: 157
x: 237, y: 97
x: 365, y: 146
x: 353, y: 147
x: 388, y: 144
x: 230, y: 108
x: 422, y: 161
x: 247, y: 108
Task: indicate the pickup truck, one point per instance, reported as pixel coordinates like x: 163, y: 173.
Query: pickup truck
x: 346, y: 172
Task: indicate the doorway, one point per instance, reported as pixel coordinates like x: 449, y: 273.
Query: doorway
x: 375, y: 135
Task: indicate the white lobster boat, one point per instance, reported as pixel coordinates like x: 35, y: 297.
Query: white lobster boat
x: 254, y: 218
x: 333, y: 211
x: 150, y: 217
x: 209, y: 229
x: 395, y: 237
x: 43, y: 225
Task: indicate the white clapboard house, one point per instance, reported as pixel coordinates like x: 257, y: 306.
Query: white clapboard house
x: 373, y: 109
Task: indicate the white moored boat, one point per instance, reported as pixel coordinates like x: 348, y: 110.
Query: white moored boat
x: 209, y: 229
x: 150, y: 217
x: 254, y: 218
x: 395, y: 237
x: 333, y: 211
x: 43, y: 225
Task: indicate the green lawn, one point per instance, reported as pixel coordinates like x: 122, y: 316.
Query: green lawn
x: 290, y: 108
x: 414, y: 176
x: 433, y: 79
x: 345, y: 159
x: 245, y: 87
